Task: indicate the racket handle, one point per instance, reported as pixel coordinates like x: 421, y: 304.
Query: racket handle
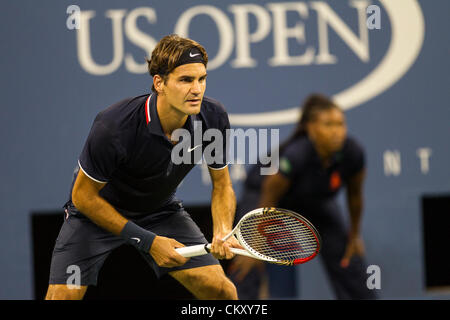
x: 202, y: 249
x: 193, y: 251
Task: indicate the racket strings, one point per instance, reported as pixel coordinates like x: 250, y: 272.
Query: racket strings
x: 278, y: 236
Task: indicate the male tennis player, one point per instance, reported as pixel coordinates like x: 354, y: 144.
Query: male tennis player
x: 124, y: 189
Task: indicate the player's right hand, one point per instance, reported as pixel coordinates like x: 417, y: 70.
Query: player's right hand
x: 164, y: 253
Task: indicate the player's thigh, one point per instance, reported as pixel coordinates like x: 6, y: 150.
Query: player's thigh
x: 65, y: 292
x: 80, y: 251
x: 208, y: 282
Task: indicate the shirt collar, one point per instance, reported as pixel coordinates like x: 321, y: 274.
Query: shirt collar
x: 153, y: 122
x: 335, y: 158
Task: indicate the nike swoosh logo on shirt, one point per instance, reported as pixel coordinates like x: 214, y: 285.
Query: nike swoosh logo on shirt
x: 191, y: 149
x: 137, y: 239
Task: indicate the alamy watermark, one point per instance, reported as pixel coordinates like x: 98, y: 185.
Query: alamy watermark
x: 231, y: 146
x: 74, y: 280
x: 374, y: 280
x: 73, y: 21
x: 374, y: 20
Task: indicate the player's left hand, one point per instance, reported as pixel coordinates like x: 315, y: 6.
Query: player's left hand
x: 221, y: 249
x: 355, y: 246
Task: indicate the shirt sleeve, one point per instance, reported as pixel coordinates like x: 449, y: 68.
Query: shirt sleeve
x: 102, y: 153
x: 220, y: 160
x: 291, y: 161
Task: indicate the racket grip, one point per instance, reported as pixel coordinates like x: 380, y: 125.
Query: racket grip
x: 193, y: 251
x: 202, y: 249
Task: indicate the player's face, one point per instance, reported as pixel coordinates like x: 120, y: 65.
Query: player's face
x: 184, y: 88
x: 329, y: 130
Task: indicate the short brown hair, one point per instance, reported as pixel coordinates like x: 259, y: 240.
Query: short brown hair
x: 168, y: 51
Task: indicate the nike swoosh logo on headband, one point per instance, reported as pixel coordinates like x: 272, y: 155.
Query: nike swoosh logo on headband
x: 193, y: 55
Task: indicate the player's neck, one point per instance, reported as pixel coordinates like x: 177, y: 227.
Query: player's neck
x: 325, y: 156
x: 169, y: 117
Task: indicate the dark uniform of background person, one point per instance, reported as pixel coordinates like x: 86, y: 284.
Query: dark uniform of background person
x: 124, y: 190
x: 315, y: 163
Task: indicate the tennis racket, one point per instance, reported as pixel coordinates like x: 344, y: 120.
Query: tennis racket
x: 274, y: 235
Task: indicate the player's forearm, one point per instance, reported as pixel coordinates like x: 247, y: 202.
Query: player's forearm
x: 268, y: 199
x: 103, y: 214
x: 355, y: 207
x: 355, y: 201
x: 272, y: 190
x: 223, y: 207
x: 100, y: 211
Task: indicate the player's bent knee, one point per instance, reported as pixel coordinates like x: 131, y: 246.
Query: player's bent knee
x: 229, y: 291
x: 207, y: 283
x: 223, y: 290
x: 64, y: 292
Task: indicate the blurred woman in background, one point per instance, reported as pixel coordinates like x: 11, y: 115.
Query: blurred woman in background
x: 317, y: 161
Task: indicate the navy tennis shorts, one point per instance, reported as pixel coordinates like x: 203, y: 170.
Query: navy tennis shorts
x: 83, y: 244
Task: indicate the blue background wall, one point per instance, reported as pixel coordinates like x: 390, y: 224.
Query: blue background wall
x: 49, y: 100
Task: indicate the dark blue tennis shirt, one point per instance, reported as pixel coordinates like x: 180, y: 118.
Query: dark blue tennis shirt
x: 311, y: 182
x: 128, y: 149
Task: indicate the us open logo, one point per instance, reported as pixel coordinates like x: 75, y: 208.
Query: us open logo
x: 240, y: 28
